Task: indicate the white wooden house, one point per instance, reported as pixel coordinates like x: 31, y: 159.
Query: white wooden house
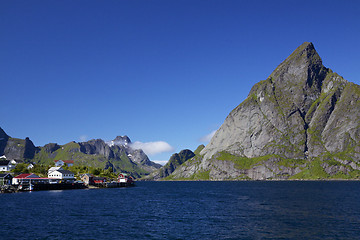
x: 61, y: 174
x: 5, y: 165
x: 30, y: 166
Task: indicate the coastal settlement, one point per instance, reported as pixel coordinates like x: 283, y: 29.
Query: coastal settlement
x: 58, y: 177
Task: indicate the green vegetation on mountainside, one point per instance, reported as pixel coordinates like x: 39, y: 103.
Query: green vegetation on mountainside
x: 328, y: 166
x: 71, y: 151
x: 175, y: 160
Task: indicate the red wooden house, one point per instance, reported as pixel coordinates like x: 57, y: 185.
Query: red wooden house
x: 99, y: 180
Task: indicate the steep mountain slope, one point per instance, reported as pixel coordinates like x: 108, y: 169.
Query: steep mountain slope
x: 301, y: 122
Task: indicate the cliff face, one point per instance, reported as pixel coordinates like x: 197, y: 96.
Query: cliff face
x: 301, y: 122
x: 96, y: 146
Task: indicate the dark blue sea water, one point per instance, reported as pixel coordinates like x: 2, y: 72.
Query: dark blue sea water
x: 187, y: 210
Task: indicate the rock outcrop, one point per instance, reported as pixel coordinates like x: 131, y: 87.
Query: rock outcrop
x: 175, y: 161
x: 15, y: 148
x: 96, y: 146
x: 301, y: 122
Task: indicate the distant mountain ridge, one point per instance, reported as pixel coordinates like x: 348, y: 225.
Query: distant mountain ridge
x: 302, y: 122
x: 136, y: 155
x: 94, y: 153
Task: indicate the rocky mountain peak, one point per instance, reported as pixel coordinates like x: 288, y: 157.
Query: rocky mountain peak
x: 3, y: 141
x: 304, y: 54
x: 136, y: 155
x: 296, y: 83
x: 120, y: 141
x: 303, y: 68
x: 3, y: 134
x: 281, y: 102
x: 51, y: 147
x: 303, y: 112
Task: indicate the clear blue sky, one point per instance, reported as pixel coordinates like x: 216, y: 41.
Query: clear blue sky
x: 155, y: 70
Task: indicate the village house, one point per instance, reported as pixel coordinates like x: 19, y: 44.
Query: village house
x: 60, y: 163
x: 124, y: 178
x: 27, y: 177
x: 16, y: 161
x: 30, y: 166
x: 99, y: 180
x: 61, y: 174
x: 87, y: 178
x: 5, y: 165
x: 5, y: 179
x: 54, y: 169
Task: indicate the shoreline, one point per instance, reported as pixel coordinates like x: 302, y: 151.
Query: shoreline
x: 256, y: 180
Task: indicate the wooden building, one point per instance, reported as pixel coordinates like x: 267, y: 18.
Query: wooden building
x: 5, y: 179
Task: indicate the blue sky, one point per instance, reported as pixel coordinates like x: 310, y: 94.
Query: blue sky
x: 155, y: 70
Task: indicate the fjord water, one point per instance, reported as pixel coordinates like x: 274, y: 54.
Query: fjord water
x: 187, y: 210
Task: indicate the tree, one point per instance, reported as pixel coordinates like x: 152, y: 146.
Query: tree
x: 96, y: 171
x: 21, y: 168
x: 40, y: 169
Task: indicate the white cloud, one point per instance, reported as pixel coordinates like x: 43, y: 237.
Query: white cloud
x: 83, y: 138
x: 162, y: 162
x: 152, y: 148
x: 208, y: 137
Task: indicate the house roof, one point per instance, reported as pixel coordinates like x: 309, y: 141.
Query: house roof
x: 4, y: 162
x: 37, y: 178
x: 27, y: 175
x: 99, y: 178
x: 125, y: 175
x: 65, y: 171
x: 54, y: 169
x: 3, y: 175
x: 87, y: 174
x: 65, y: 161
x: 24, y: 175
x: 18, y: 161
